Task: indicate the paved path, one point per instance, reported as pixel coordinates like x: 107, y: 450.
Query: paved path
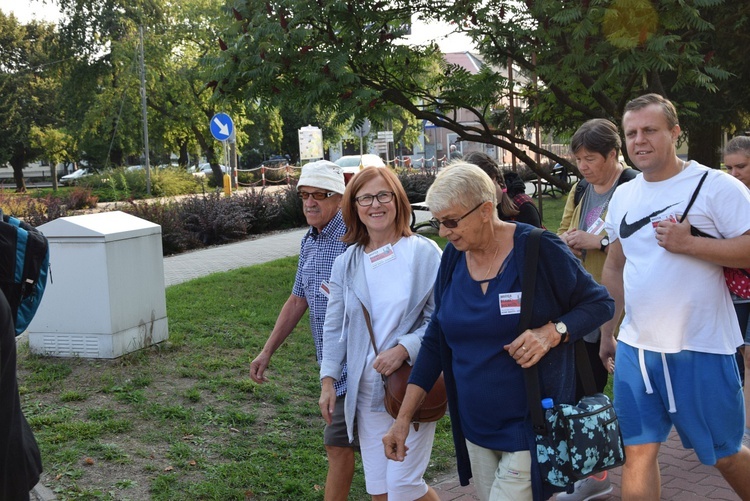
x: 189, y: 265
x: 683, y: 477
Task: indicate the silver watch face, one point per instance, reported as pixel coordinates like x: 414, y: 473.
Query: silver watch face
x: 561, y: 328
x: 605, y: 242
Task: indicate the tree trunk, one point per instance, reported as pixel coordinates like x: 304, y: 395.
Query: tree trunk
x: 17, y: 161
x: 18, y: 178
x: 53, y: 173
x: 183, y: 159
x: 704, y: 145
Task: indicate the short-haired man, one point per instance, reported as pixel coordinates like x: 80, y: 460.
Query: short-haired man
x: 320, y: 186
x: 675, y: 361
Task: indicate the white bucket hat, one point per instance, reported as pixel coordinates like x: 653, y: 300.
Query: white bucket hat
x: 324, y: 175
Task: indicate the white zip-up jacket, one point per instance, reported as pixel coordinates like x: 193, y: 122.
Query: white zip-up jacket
x: 345, y: 334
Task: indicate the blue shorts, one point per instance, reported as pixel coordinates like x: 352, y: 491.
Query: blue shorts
x: 707, y: 402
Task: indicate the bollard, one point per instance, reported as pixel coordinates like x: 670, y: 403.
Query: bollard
x: 227, y: 185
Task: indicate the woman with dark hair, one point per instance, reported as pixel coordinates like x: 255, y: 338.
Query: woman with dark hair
x: 596, y: 147
x: 527, y: 211
x: 386, y: 274
x: 513, y: 205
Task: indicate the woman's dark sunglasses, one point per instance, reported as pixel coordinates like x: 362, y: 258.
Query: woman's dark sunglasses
x: 451, y: 223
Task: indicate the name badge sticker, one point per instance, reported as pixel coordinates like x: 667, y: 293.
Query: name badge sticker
x: 510, y: 303
x: 663, y: 217
x: 596, y: 227
x: 379, y: 257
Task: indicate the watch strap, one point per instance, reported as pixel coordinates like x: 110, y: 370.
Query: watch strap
x: 602, y: 246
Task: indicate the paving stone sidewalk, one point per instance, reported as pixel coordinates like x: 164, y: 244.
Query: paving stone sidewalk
x: 683, y: 477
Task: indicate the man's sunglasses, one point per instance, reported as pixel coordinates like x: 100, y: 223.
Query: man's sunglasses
x: 318, y: 195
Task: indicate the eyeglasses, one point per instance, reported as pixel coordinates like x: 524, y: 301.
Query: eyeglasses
x: 451, y: 223
x: 383, y: 197
x: 318, y: 195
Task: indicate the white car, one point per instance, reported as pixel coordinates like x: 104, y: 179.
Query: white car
x: 206, y: 169
x: 133, y: 168
x: 350, y: 163
x: 73, y: 177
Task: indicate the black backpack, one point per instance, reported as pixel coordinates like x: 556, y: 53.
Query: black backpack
x: 625, y: 176
x: 24, y: 265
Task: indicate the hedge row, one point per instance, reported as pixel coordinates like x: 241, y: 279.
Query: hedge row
x: 195, y: 221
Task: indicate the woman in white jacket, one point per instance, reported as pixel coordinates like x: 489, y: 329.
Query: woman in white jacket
x: 390, y: 272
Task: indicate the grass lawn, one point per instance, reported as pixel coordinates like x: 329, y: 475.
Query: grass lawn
x: 182, y: 420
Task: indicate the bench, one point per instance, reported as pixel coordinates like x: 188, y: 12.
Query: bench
x: 558, y: 171
x: 415, y: 207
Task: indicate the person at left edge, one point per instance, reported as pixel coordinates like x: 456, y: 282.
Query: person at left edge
x: 473, y: 337
x: 320, y: 186
x: 389, y: 271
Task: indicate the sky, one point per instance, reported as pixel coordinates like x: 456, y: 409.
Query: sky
x: 27, y: 10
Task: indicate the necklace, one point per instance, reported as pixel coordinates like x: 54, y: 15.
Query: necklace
x: 492, y: 263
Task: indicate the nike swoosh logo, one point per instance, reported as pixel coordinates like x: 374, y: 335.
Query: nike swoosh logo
x: 627, y: 230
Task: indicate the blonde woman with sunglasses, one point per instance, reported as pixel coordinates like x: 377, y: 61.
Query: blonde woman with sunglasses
x: 473, y: 336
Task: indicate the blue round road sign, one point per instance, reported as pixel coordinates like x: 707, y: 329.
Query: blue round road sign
x: 222, y: 126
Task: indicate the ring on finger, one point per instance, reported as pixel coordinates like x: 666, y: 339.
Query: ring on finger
x: 524, y: 348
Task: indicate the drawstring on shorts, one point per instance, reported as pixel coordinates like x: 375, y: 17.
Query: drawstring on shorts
x: 667, y: 378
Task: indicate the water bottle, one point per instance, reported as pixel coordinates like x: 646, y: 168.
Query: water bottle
x: 547, y: 405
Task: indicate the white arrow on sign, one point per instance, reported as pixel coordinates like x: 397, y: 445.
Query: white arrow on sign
x: 223, y: 128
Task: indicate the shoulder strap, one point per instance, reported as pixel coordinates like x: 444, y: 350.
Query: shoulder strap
x: 529, y: 278
x: 531, y: 377
x: 625, y: 176
x: 580, y: 188
x: 693, y: 230
x: 694, y: 196
x: 369, y: 328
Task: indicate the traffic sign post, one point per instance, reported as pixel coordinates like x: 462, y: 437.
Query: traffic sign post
x: 222, y: 128
x: 362, y: 131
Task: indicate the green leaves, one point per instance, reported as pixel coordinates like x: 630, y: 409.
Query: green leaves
x: 590, y: 57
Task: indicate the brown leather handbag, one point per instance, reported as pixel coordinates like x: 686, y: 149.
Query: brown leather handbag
x: 433, y: 406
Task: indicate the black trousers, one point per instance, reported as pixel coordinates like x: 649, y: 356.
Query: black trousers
x: 20, y: 462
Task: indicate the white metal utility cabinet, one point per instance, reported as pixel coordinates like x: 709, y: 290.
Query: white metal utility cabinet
x: 106, y: 294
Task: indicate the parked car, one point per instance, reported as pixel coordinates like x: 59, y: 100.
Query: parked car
x: 350, y: 163
x: 70, y: 179
x: 196, y: 171
x: 133, y: 168
x: 276, y: 161
x: 206, y: 169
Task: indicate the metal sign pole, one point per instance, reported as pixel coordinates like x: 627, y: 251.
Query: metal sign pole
x: 145, y: 116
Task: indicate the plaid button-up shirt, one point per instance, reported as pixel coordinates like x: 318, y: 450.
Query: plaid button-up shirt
x: 318, y: 251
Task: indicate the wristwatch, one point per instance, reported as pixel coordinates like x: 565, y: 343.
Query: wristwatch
x: 603, y: 243
x: 561, y: 329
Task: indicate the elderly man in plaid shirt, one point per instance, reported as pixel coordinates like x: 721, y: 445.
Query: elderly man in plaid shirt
x: 320, y: 186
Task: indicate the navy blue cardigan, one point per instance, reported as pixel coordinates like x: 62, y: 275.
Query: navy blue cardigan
x: 564, y: 292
